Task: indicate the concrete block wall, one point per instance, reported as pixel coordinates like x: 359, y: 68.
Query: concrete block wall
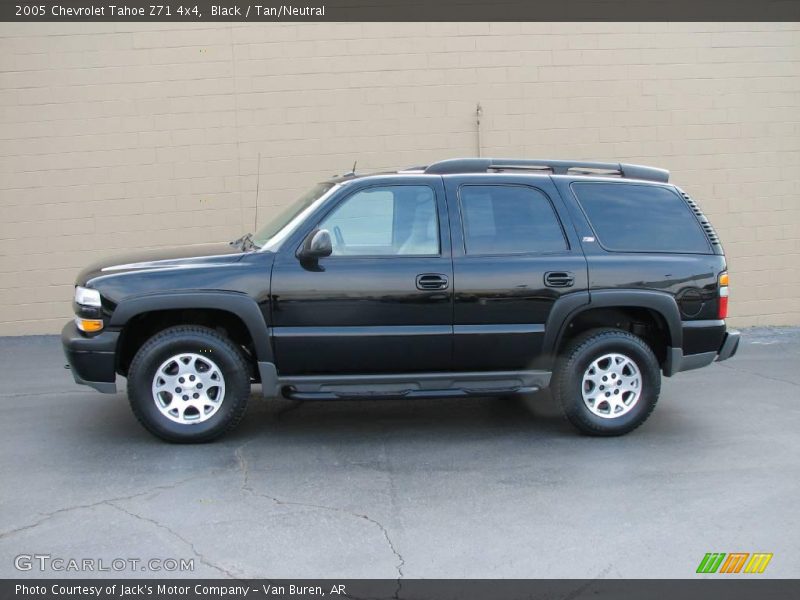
x: 118, y: 136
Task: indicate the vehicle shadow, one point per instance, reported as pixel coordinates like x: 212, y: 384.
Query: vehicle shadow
x: 432, y: 419
x: 344, y: 420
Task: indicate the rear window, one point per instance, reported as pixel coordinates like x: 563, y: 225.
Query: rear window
x: 509, y: 219
x: 640, y: 218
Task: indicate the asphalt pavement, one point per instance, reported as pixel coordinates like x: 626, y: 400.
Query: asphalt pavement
x: 480, y: 488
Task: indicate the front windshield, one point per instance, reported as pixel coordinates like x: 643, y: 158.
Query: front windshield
x: 283, y: 222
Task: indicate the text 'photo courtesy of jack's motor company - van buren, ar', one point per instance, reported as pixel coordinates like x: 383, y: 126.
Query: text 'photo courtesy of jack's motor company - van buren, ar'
x: 200, y: 590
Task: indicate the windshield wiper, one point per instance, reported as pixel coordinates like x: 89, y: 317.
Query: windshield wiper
x: 245, y: 242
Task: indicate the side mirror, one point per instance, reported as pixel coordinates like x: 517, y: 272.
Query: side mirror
x: 317, y: 245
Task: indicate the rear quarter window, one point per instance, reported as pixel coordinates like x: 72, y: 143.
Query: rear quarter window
x: 629, y: 217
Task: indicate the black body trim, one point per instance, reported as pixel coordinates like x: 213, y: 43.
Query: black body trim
x: 91, y: 359
x: 413, y: 385
x: 730, y: 345
x: 101, y: 386
x: 567, y: 308
x: 361, y: 330
x: 677, y: 361
x: 703, y: 323
x: 562, y: 312
x: 268, y: 373
x: 236, y: 303
x: 499, y: 328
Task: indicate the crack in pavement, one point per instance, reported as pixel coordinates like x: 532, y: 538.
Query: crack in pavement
x: 244, y: 468
x: 393, y: 501
x: 767, y: 377
x: 47, y: 516
x: 112, y: 502
x: 176, y: 535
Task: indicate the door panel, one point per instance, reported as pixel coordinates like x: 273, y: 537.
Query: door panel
x: 505, y: 288
x: 369, y: 314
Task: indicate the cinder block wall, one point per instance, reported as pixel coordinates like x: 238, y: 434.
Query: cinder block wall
x: 120, y: 136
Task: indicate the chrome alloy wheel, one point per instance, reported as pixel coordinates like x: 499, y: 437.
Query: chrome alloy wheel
x: 188, y: 388
x: 612, y: 385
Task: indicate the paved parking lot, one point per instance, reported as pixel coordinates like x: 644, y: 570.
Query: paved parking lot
x: 477, y: 488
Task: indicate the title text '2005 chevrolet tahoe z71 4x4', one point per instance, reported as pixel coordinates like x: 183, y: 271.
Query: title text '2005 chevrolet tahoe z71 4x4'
x: 469, y: 277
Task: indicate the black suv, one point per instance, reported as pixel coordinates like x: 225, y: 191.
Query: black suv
x: 468, y: 277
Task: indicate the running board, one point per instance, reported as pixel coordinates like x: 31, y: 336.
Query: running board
x: 412, y: 385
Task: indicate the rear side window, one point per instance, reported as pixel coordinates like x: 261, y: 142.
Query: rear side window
x: 509, y: 219
x: 640, y: 218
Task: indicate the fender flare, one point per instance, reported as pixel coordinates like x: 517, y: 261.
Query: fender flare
x: 569, y: 307
x: 236, y: 303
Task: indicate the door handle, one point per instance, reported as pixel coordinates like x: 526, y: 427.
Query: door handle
x: 559, y: 279
x: 432, y: 281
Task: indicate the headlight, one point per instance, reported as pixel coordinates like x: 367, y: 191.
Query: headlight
x: 87, y: 297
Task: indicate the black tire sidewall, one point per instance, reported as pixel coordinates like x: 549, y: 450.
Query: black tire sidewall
x: 571, y: 382
x: 176, y: 341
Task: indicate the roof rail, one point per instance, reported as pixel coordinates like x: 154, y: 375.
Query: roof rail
x: 556, y: 167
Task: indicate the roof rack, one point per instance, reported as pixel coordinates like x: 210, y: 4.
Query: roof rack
x: 556, y: 167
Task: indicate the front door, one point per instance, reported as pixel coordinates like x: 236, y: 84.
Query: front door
x: 513, y: 258
x: 382, y: 302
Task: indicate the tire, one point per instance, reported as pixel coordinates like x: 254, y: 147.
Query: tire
x: 621, y: 358
x: 213, y: 381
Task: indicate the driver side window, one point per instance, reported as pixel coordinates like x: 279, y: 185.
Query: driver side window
x: 395, y: 220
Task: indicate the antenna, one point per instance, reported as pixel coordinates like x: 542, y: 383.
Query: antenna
x: 478, y: 115
x: 355, y: 162
x: 258, y: 183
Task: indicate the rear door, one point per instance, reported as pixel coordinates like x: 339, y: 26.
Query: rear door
x: 515, y: 254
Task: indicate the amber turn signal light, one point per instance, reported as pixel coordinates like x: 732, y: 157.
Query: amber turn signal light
x: 89, y: 325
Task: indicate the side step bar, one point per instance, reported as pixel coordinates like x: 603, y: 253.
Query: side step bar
x: 412, y: 385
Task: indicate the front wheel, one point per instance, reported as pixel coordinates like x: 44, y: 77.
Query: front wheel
x: 607, y: 381
x: 188, y: 384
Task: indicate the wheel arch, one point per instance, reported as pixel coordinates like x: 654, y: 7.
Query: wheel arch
x: 660, y: 307
x: 235, y: 312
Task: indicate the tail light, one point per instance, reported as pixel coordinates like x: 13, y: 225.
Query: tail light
x: 722, y: 311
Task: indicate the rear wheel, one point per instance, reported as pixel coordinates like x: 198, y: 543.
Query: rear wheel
x: 188, y: 384
x: 607, y: 382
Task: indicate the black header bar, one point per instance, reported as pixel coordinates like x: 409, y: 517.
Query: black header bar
x: 730, y: 587
x: 398, y: 10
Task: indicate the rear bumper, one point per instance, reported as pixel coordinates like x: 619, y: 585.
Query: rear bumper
x: 677, y: 361
x: 729, y: 345
x: 91, y: 359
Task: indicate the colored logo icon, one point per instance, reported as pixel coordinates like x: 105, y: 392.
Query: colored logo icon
x: 735, y: 562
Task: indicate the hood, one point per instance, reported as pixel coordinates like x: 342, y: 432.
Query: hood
x: 160, y: 259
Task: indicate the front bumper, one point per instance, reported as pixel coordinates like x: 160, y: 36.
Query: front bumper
x: 91, y: 359
x: 677, y: 361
